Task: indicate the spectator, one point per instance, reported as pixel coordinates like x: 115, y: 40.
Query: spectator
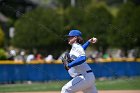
x: 38, y: 57
x: 11, y: 55
x: 20, y: 57
x: 106, y: 55
x: 49, y: 58
x: 30, y: 57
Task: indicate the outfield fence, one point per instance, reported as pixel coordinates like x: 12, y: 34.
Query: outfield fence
x: 46, y: 72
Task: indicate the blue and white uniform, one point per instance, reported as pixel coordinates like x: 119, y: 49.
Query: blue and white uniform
x: 78, y: 66
x: 83, y: 77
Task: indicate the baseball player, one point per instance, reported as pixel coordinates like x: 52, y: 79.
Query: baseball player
x: 83, y: 77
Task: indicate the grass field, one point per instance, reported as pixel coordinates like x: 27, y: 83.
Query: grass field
x: 113, y: 84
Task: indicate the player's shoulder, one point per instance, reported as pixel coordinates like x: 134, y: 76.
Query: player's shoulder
x: 77, y: 49
x: 77, y: 45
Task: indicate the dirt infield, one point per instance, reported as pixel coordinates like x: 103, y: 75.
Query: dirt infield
x: 103, y: 91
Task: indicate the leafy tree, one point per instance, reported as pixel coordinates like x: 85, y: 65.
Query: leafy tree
x: 73, y: 18
x: 78, y: 3
x: 114, y: 2
x: 136, y: 2
x: 83, y: 3
x: 97, y: 21
x: 64, y: 3
x: 12, y: 10
x: 15, y: 8
x: 134, y: 28
x: 124, y: 32
x: 3, y: 54
x: 40, y: 29
x: 119, y: 34
x: 1, y: 37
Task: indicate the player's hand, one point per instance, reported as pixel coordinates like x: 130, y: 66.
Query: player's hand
x: 93, y: 40
x: 66, y: 67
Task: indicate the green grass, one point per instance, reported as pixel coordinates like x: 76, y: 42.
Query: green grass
x: 49, y: 86
x: 119, y: 84
x: 113, y: 84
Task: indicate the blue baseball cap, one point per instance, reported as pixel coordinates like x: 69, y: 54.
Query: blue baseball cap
x: 74, y: 33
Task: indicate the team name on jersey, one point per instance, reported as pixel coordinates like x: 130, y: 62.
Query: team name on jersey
x: 77, y: 50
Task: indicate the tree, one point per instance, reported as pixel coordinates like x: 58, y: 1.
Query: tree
x: 15, y: 8
x: 78, y: 3
x: 73, y: 18
x: 97, y: 22
x: 124, y: 32
x: 40, y: 29
x: 64, y: 3
x: 3, y: 54
x: 1, y: 37
x: 119, y: 29
x: 134, y: 28
x: 136, y: 2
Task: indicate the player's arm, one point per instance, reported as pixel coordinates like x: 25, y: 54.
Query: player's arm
x: 77, y: 61
x: 85, y: 45
x: 92, y: 40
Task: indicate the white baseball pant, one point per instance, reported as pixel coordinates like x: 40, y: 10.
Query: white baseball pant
x: 84, y: 83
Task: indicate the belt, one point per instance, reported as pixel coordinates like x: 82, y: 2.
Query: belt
x: 86, y: 71
x: 89, y: 71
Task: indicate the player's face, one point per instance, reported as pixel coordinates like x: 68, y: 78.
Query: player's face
x: 72, y: 39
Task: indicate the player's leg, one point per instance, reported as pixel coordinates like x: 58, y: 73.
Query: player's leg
x: 79, y: 83
x: 76, y: 84
x: 91, y: 89
x: 67, y: 88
